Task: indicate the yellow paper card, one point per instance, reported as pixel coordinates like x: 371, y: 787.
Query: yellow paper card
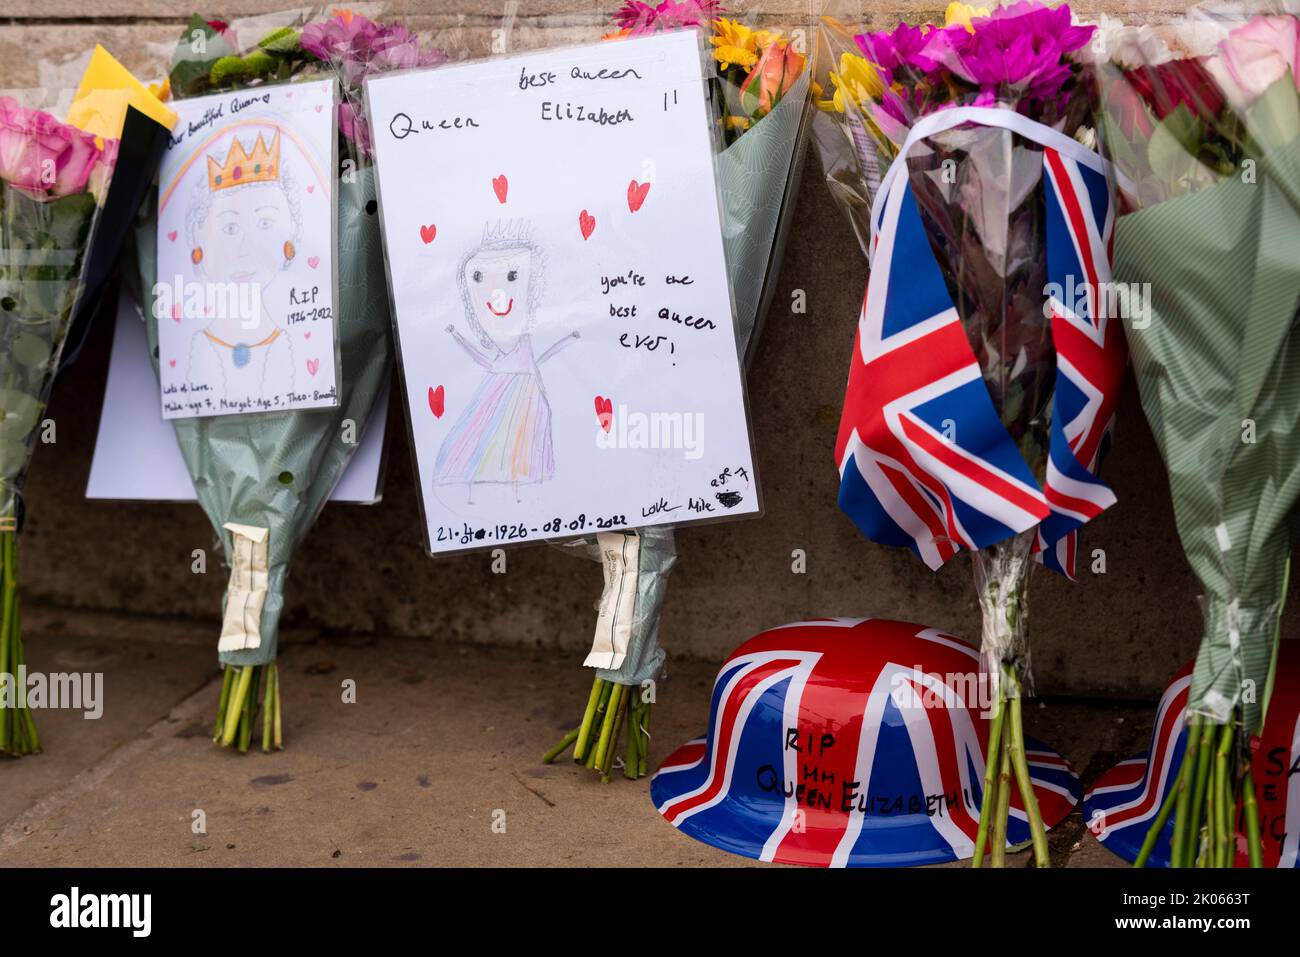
x: 106, y: 89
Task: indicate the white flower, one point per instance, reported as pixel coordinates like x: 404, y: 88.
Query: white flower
x: 1128, y: 46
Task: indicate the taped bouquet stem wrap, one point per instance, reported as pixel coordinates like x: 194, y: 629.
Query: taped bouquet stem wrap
x: 241, y: 627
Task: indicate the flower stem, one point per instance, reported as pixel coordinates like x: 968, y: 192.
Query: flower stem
x: 598, y: 720
x: 268, y: 709
x: 588, y: 717
x: 1037, y: 832
x: 1223, y: 799
x: 550, y: 756
x: 1192, y: 847
x: 235, y: 706
x: 644, y: 750
x: 1177, y: 795
x: 8, y: 641
x: 619, y: 717
x: 1001, y: 812
x: 1254, y: 846
x: 607, y: 726
x: 990, y: 772
x: 279, y: 738
x: 227, y: 682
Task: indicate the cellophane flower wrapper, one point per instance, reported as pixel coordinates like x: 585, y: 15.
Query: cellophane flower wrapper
x: 276, y: 470
x: 52, y: 180
x: 761, y: 101
x: 1201, y: 120
x: 980, y: 192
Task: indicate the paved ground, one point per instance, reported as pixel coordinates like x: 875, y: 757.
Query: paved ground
x: 440, y: 737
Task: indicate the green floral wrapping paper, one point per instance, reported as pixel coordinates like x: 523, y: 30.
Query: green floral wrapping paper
x: 756, y: 175
x: 1219, y: 372
x: 276, y: 470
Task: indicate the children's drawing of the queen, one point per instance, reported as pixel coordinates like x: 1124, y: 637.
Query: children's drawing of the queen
x: 503, y: 436
x: 244, y: 219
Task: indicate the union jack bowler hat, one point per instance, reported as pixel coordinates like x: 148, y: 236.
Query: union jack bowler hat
x: 846, y: 742
x: 1125, y: 801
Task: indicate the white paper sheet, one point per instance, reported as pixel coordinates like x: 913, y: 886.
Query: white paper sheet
x: 137, y: 457
x: 565, y: 327
x: 245, y: 292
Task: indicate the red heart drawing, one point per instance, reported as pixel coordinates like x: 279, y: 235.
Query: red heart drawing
x: 176, y: 312
x: 172, y: 235
x: 313, y: 365
x: 428, y: 232
x: 636, y: 193
x: 306, y: 335
x: 604, y: 412
x: 586, y: 223
x: 437, y: 399
x: 172, y: 363
x: 312, y: 188
x: 318, y: 109
x: 313, y: 261
x: 500, y: 186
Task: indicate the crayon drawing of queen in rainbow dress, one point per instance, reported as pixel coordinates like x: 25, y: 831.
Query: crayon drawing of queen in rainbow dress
x: 503, y: 436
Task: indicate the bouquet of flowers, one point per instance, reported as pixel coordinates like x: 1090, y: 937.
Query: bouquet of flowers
x: 987, y: 361
x: 761, y: 95
x: 263, y: 478
x: 1204, y: 134
x: 53, y: 179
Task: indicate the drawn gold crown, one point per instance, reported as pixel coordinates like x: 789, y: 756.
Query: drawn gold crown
x: 260, y: 166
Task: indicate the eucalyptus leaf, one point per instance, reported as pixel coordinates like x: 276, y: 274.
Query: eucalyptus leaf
x: 31, y: 350
x: 19, y: 412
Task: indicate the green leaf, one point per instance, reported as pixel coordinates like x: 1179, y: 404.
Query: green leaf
x: 18, y: 415
x: 1274, y: 119
x: 284, y: 40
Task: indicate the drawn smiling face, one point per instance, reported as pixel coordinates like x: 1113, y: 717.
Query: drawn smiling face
x: 498, y: 280
x: 246, y: 231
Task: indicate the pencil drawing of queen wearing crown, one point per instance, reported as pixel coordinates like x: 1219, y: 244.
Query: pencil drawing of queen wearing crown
x: 244, y: 220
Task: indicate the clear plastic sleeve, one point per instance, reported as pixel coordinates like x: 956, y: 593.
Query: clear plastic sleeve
x: 759, y: 92
x: 952, y: 119
x: 276, y: 470
x: 53, y: 178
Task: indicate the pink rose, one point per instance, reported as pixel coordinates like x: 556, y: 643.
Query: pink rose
x: 43, y: 156
x: 1256, y: 55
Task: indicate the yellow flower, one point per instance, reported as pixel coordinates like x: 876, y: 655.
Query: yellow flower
x: 963, y: 13
x: 734, y: 44
x: 728, y: 56
x: 737, y: 122
x: 856, y: 81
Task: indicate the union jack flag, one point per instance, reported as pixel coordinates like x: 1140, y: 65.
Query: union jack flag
x: 925, y: 461
x: 1124, y: 803
x: 847, y: 742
